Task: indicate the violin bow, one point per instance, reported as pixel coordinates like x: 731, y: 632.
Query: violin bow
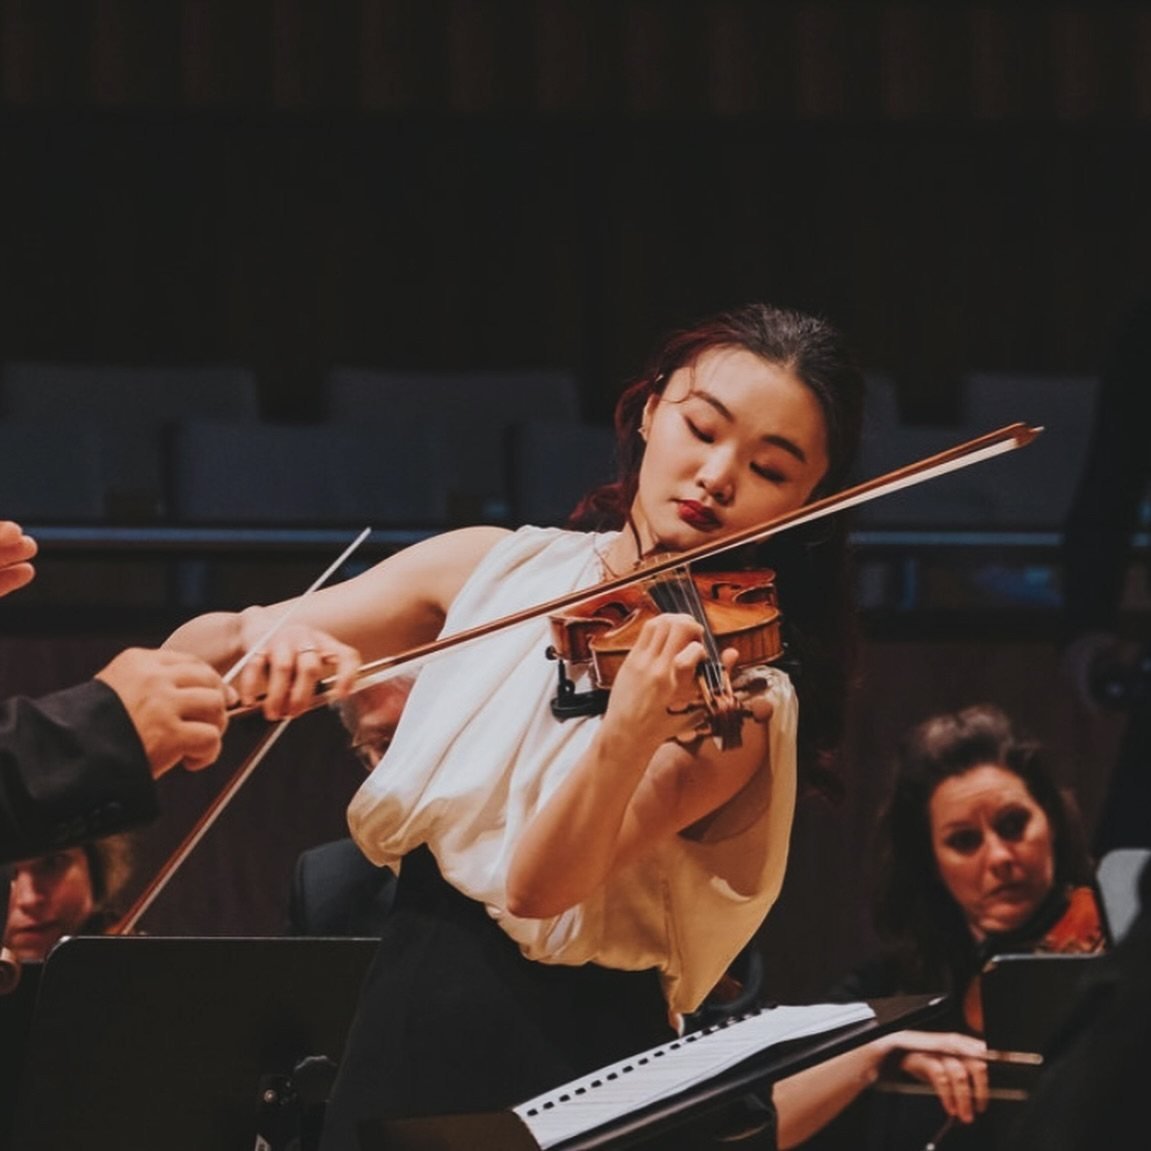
x: 126, y: 924
x: 973, y: 451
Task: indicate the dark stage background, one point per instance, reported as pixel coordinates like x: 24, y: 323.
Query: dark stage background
x: 452, y: 184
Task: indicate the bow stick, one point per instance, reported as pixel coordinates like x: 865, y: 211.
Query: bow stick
x: 963, y: 455
x: 265, y: 744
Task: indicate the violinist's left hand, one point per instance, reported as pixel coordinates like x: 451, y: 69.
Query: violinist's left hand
x: 282, y: 676
x: 656, y: 689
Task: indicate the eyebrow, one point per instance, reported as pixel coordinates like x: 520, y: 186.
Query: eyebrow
x: 781, y: 442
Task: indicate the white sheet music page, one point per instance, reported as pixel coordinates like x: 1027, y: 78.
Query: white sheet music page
x: 661, y: 1072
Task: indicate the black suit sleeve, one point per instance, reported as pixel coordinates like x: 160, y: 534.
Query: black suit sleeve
x: 72, y: 768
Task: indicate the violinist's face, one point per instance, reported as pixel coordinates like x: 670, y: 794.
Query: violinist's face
x: 994, y: 847
x: 732, y: 441
x: 51, y: 896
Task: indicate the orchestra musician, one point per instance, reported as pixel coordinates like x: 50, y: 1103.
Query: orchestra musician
x: 980, y: 852
x: 1105, y: 657
x: 336, y: 889
x: 70, y: 891
x: 570, y: 887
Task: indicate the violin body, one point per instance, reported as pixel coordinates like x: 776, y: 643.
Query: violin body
x: 737, y: 609
x: 741, y: 607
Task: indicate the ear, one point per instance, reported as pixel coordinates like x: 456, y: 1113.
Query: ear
x: 649, y: 407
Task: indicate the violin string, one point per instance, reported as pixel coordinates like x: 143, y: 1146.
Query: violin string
x: 682, y: 595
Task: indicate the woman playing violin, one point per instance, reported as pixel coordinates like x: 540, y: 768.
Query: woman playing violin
x: 570, y: 888
x: 980, y: 853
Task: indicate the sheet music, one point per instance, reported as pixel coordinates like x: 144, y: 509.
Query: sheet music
x: 661, y: 1072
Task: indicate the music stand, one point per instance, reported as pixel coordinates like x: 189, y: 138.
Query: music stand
x: 1025, y: 997
x: 504, y: 1131
x: 15, y: 1025
x: 185, y: 1043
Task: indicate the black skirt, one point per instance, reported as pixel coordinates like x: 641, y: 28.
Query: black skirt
x: 454, y: 1019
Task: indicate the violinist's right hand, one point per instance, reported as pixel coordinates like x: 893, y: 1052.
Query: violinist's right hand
x: 281, y: 677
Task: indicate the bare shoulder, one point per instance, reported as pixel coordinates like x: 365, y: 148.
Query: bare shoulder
x: 402, y: 600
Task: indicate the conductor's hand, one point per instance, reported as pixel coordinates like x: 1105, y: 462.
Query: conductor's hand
x: 177, y: 702
x: 16, y: 553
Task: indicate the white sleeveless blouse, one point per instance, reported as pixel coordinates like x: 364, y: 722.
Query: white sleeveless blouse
x: 478, y: 751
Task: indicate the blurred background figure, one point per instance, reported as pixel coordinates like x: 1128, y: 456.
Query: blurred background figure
x: 336, y: 889
x: 72, y: 891
x: 1110, y: 665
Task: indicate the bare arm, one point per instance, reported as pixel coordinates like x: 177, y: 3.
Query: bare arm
x: 396, y: 605
x: 949, y: 1062
x: 635, y: 786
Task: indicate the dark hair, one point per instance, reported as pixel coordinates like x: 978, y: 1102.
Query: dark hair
x: 110, y: 864
x: 916, y: 916
x: 811, y: 564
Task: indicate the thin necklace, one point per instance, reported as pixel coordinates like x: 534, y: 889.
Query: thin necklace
x: 609, y: 571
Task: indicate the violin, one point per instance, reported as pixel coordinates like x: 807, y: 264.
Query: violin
x: 737, y: 609
x: 1077, y: 931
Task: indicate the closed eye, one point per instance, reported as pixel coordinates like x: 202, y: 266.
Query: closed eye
x: 769, y: 473
x: 699, y: 433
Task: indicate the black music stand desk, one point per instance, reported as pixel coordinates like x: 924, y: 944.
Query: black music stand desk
x: 505, y: 1131
x: 185, y: 1044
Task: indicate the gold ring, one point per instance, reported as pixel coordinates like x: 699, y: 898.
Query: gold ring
x: 305, y: 648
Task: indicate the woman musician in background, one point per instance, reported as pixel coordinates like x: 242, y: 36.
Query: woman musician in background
x: 980, y: 853
x: 569, y: 889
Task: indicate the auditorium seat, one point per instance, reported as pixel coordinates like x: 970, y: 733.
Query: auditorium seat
x: 1033, y: 487
x: 131, y: 407
x: 552, y: 463
x: 1028, y: 489
x: 1117, y: 878
x: 306, y: 474
x: 474, y: 410
x: 49, y: 476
